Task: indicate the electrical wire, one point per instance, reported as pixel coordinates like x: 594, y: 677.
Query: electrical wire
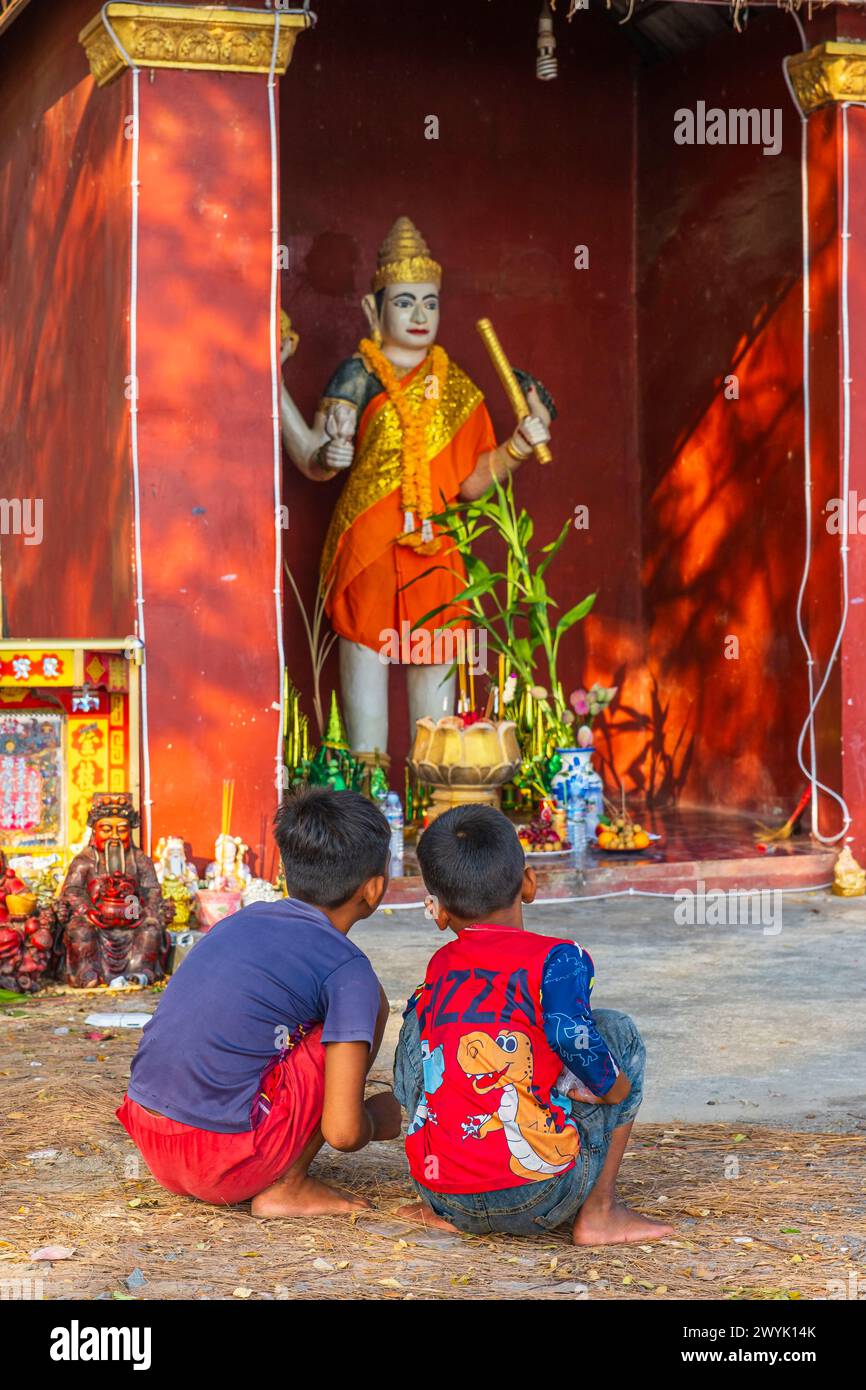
x: 135, y: 72
x: 275, y: 407
x: 816, y: 696
x: 146, y: 799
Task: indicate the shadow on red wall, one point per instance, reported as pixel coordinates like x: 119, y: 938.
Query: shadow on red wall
x: 720, y: 327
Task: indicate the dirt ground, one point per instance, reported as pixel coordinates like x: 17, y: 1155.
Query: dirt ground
x: 759, y: 1213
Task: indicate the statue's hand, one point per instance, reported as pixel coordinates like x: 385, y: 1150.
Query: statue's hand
x: 529, y: 434
x: 288, y: 348
x: 339, y: 451
x: 538, y: 408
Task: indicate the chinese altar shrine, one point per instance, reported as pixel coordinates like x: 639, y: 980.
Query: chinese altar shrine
x: 68, y: 730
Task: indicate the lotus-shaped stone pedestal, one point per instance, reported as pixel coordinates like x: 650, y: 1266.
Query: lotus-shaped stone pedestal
x: 464, y: 763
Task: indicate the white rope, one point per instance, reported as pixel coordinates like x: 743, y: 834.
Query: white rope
x: 275, y: 407
x: 630, y: 893
x: 815, y: 697
x: 146, y: 801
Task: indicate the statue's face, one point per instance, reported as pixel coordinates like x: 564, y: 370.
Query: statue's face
x: 410, y: 316
x: 111, y: 828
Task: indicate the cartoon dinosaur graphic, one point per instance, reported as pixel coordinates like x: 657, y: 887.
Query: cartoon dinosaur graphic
x: 504, y: 1064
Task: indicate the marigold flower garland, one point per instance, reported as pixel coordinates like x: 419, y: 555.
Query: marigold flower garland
x: 415, y: 486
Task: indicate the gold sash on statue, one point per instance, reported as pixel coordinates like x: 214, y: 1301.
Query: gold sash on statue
x: 377, y: 467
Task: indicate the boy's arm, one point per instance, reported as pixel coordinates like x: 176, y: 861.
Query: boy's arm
x: 572, y: 1032
x: 348, y: 1121
x: 354, y: 1003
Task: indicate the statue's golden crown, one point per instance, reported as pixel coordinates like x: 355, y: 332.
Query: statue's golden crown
x: 404, y: 258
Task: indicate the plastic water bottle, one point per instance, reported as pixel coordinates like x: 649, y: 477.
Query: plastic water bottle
x: 593, y: 796
x: 576, y: 815
x: 577, y: 832
x: 393, y: 810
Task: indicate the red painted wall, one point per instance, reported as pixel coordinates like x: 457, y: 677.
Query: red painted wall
x: 719, y: 293
x: 206, y: 461
x: 696, y: 515
x: 64, y: 290
x: 206, y: 453
x: 521, y: 173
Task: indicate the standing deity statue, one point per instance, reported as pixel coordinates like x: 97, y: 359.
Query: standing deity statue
x: 177, y: 878
x: 410, y: 433
x: 111, y: 907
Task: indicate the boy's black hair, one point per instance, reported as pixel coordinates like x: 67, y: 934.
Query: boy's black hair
x: 330, y: 843
x: 472, y: 861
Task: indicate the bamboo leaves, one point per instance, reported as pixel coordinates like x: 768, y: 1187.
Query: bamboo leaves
x: 513, y: 605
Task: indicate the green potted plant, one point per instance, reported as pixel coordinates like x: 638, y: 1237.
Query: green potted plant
x: 516, y: 610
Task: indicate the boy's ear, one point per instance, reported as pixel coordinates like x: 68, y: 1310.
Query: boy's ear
x: 529, y: 888
x: 373, y: 891
x: 443, y: 921
x: 434, y: 913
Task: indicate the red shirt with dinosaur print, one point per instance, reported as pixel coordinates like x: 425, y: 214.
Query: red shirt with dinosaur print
x: 489, y: 1117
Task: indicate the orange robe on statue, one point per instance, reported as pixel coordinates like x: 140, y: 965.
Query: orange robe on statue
x: 366, y: 568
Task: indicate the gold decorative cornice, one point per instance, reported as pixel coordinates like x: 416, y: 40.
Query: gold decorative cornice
x: 189, y: 36
x: 829, y: 72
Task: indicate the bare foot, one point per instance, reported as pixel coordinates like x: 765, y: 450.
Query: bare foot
x: 420, y: 1212
x: 307, y: 1198
x: 615, y: 1225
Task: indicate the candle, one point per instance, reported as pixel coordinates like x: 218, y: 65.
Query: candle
x: 461, y: 676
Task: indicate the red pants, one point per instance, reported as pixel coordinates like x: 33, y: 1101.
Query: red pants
x: 229, y: 1168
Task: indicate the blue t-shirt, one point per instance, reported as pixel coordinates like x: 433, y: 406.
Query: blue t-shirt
x: 571, y: 1030
x: 234, y: 1003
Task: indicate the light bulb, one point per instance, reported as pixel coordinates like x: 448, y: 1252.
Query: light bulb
x: 546, y: 67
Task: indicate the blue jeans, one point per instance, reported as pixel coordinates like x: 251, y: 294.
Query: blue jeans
x: 534, y: 1206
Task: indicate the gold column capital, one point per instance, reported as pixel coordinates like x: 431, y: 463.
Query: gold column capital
x: 832, y: 71
x: 189, y: 36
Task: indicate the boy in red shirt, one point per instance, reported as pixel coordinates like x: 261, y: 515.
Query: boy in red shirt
x: 521, y: 1099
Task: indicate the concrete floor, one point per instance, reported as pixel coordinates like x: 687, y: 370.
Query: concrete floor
x: 740, y: 1025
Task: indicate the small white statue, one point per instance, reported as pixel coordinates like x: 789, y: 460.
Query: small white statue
x: 227, y: 871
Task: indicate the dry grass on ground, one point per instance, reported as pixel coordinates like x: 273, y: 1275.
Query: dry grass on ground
x: 786, y: 1227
